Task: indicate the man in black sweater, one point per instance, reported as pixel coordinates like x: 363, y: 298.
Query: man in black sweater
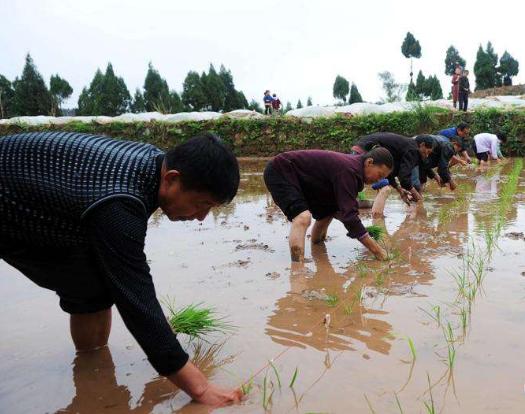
x: 464, y: 91
x: 74, y: 210
x: 407, y: 155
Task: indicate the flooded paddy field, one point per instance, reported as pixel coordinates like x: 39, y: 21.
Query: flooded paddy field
x: 441, y: 326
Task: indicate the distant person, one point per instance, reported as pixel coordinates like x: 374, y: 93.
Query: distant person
x: 443, y: 151
x: 74, y: 214
x: 324, y: 185
x: 276, y: 103
x: 407, y: 155
x: 464, y: 91
x: 268, y: 101
x: 455, y: 85
x: 486, y: 146
x: 462, y: 131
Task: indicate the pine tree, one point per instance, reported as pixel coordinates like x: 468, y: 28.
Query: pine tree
x: 299, y: 104
x: 60, y: 89
x: 341, y: 88
x: 508, y: 67
x: 485, y: 68
x: 175, y: 103
x: 214, y: 89
x: 411, y: 49
x: 31, y: 96
x: 193, y: 94
x: 254, y: 106
x: 412, y: 95
x: 309, y: 101
x: 233, y: 99
x: 6, y: 98
x: 242, y: 102
x: 288, y: 107
x: 420, y: 87
x: 107, y: 95
x: 434, y: 90
x: 355, y: 96
x: 452, y: 60
x: 138, y: 105
x: 156, y: 92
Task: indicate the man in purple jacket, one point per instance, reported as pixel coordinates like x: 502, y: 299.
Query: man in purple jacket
x: 324, y: 185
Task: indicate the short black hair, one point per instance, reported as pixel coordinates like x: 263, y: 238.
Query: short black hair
x: 502, y: 136
x: 206, y: 164
x: 462, y: 126
x: 427, y: 140
x: 380, y: 156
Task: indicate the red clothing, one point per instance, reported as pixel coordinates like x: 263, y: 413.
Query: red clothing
x: 276, y: 104
x: 329, y: 181
x: 455, y: 87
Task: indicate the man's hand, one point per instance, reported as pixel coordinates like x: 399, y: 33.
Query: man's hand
x: 374, y: 248
x: 438, y: 180
x: 405, y: 195
x: 415, y: 195
x: 452, y: 185
x: 191, y: 380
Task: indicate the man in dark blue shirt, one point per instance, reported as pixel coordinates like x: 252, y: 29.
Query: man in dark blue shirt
x: 462, y: 131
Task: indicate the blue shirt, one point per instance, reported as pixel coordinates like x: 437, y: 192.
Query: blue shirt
x: 268, y: 99
x: 449, y: 132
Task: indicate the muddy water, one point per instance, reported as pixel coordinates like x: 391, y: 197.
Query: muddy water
x: 237, y: 260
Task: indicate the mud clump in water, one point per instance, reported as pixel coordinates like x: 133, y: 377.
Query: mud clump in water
x: 253, y: 245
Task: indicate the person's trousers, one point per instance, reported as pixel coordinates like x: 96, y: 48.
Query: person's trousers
x: 463, y: 101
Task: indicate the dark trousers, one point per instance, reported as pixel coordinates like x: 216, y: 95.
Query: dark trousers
x: 463, y: 101
x: 267, y: 110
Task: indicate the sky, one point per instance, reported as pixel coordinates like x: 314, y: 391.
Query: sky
x: 294, y: 48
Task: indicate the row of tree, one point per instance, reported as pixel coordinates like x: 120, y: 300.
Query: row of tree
x: 342, y: 89
x: 107, y: 94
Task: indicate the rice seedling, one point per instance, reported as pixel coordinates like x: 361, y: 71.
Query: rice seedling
x: 380, y: 279
x: 429, y: 406
x: 276, y: 374
x: 398, y: 404
x: 412, y: 348
x: 463, y: 314
x: 362, y: 270
x: 361, y: 196
x: 448, y: 333
x: 197, y: 321
x: 247, y: 387
x: 348, y: 309
x: 451, y: 356
x: 294, y: 377
x: 331, y: 300
x: 369, y: 405
x: 376, y: 232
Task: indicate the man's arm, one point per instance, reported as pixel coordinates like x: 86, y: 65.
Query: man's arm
x: 494, y: 149
x: 117, y: 230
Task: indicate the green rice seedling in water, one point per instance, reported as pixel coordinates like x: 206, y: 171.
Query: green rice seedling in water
x: 448, y: 332
x: 348, y: 309
x: 464, y: 320
x: 398, y: 404
x: 197, y: 321
x: 451, y: 356
x: 369, y: 405
x: 332, y: 300
x: 294, y: 377
x: 276, y: 374
x: 435, y: 313
x: 376, y: 232
x: 380, y: 279
x: 412, y: 348
x: 362, y: 270
x: 247, y: 387
x: 361, y: 196
x: 431, y: 409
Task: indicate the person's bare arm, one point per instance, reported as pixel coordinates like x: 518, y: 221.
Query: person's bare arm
x: 374, y: 247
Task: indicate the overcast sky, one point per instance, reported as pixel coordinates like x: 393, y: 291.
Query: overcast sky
x: 294, y: 48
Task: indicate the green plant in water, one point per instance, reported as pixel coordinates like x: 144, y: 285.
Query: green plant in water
x: 348, y: 309
x: 361, y: 196
x: 429, y: 406
x: 412, y: 348
x: 294, y: 377
x: 376, y: 232
x: 451, y: 356
x: 197, y: 321
x: 331, y: 300
x: 247, y: 387
x: 362, y: 270
x: 398, y: 404
x: 276, y: 374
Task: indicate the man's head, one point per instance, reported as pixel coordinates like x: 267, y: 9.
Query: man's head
x: 274, y: 95
x: 197, y: 175
x: 458, y: 70
x: 425, y: 145
x: 502, y: 136
x: 465, y: 72
x: 378, y: 164
x: 463, y: 130
x: 457, y: 143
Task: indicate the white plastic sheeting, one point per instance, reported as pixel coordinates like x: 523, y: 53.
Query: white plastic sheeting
x: 306, y: 113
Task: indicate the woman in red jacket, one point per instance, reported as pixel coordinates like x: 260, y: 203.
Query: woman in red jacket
x: 455, y: 86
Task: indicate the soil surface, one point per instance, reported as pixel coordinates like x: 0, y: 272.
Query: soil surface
x: 343, y: 320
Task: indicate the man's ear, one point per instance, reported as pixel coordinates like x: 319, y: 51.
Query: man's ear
x: 171, y: 176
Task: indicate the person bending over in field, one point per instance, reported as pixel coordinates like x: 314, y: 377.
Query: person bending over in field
x: 407, y: 155
x: 487, y: 146
x: 74, y: 211
x: 462, y: 131
x: 442, y: 154
x: 324, y: 185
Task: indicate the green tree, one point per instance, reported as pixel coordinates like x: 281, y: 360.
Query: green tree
x: 138, y: 105
x: 433, y: 88
x: 60, y: 89
x: 254, y: 106
x: 355, y: 96
x: 411, y: 49
x: 299, y: 104
x: 233, y: 99
x: 175, y: 103
x: 412, y: 95
x: 242, y: 102
x: 214, y: 89
x: 193, y: 94
x: 31, y: 96
x: 485, y: 69
x: 420, y: 87
x: 107, y: 95
x: 452, y: 60
x: 288, y: 107
x: 309, y: 101
x: 341, y: 88
x: 508, y: 67
x: 392, y: 89
x: 6, y: 97
x: 156, y: 92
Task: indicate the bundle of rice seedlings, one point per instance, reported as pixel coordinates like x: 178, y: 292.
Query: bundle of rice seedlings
x: 197, y: 321
x: 376, y: 232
